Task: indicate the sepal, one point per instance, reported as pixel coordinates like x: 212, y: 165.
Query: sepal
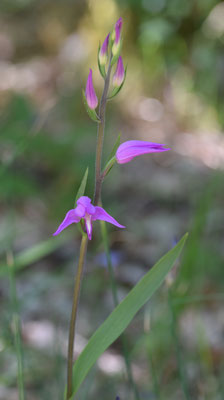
x: 92, y: 113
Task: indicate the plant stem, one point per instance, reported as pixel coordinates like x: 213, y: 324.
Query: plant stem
x: 100, y: 137
x: 77, y: 287
x: 97, y: 199
x: 116, y: 301
x: 16, y: 326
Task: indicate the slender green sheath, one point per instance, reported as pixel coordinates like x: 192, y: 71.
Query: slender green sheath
x: 75, y: 302
x: 16, y: 327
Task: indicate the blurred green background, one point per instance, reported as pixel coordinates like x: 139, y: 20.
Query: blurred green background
x: 173, y: 94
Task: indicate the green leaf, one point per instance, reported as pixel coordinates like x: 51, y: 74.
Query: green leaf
x: 122, y: 315
x: 115, y: 147
x: 33, y: 254
x: 82, y: 186
x: 112, y: 159
x: 92, y: 113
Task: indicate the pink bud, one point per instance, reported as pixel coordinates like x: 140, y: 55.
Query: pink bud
x: 103, y: 51
x: 119, y: 24
x: 91, y: 97
x: 119, y: 74
x: 116, y: 36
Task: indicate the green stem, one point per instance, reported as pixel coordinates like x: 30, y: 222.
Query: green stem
x: 100, y: 137
x: 16, y: 327
x: 116, y: 301
x: 77, y: 287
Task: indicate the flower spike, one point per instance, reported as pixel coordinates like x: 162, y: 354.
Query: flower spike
x: 119, y: 74
x: 133, y: 148
x: 90, y: 94
x: 89, y: 213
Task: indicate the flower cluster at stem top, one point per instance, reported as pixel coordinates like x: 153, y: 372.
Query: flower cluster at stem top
x: 109, y: 53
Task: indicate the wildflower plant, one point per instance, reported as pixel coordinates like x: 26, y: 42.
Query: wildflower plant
x: 87, y: 211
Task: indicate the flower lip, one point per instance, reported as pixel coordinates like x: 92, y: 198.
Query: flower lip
x: 91, y: 97
x: 133, y: 148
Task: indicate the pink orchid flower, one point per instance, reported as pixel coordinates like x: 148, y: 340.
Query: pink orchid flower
x: 133, y: 148
x: 85, y: 210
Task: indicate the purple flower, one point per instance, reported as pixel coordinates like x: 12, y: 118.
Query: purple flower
x: 119, y: 73
x: 91, y: 97
x: 133, y: 148
x: 103, y: 51
x: 117, y: 36
x: 89, y: 213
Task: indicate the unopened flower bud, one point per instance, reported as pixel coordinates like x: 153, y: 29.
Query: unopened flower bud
x: 133, y: 148
x: 116, y: 36
x: 119, y: 74
x: 103, y: 51
x: 118, y: 25
x: 90, y: 94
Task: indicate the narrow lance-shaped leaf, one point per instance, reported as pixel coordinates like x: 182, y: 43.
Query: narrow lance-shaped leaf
x: 123, y: 314
x: 111, y: 158
x: 33, y: 254
x: 82, y: 186
x: 115, y: 147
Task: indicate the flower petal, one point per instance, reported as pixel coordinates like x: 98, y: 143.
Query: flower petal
x: 133, y: 148
x: 85, y: 201
x: 70, y: 218
x: 102, y: 215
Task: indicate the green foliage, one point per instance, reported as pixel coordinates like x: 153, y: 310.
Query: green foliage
x: 82, y: 187
x: 33, y: 254
x: 122, y: 315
